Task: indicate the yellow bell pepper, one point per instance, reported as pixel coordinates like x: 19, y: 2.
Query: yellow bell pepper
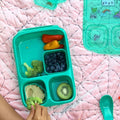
x: 52, y: 45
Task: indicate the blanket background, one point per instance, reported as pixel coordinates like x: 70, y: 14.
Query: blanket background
x: 95, y: 75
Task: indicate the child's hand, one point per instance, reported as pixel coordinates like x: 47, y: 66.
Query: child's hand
x: 39, y: 114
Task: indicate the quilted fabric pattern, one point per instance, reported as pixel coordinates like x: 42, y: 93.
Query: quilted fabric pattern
x: 95, y: 75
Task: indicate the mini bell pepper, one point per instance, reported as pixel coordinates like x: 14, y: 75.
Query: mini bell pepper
x: 52, y: 45
x: 48, y: 38
x: 61, y: 46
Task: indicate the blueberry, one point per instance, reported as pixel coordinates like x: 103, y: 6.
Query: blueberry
x: 62, y: 57
x: 50, y: 63
x: 54, y: 61
x: 57, y: 67
x: 51, y: 59
x: 48, y: 68
x: 55, y: 64
x: 54, y: 55
x: 56, y: 70
x: 61, y: 69
x: 46, y: 61
x: 58, y: 53
x: 63, y: 54
x: 50, y: 71
x: 51, y: 54
x: 47, y: 57
x: 59, y: 62
x: 63, y: 61
x: 62, y: 65
x: 52, y: 68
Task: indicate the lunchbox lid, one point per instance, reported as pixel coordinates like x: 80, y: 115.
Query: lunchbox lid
x: 50, y: 4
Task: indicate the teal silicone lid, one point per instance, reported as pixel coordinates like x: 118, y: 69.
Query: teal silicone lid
x: 106, y: 106
x: 50, y: 4
x: 101, y: 30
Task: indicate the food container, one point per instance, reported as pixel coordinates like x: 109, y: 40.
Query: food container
x: 28, y: 46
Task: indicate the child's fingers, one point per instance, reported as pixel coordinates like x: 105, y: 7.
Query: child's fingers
x: 49, y: 117
x: 38, y: 110
x: 30, y: 116
x: 44, y: 111
x: 41, y: 112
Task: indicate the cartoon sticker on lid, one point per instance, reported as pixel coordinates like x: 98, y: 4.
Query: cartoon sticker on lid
x: 117, y: 14
x: 93, y: 13
x: 108, y: 2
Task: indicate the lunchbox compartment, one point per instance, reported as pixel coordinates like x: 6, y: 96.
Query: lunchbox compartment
x: 55, y: 82
x: 96, y: 36
x: 116, y: 37
x: 37, y: 83
x: 56, y: 59
x: 29, y: 47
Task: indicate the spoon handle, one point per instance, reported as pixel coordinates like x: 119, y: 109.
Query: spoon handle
x: 107, y: 114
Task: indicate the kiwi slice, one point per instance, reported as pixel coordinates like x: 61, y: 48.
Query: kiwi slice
x: 64, y: 91
x: 32, y: 100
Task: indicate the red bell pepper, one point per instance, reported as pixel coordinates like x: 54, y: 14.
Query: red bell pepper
x: 48, y: 38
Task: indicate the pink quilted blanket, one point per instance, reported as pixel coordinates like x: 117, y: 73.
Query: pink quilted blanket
x: 95, y: 75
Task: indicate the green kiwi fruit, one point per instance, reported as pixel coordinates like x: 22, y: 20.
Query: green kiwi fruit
x: 64, y: 91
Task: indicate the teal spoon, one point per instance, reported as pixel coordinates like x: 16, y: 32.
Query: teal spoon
x: 106, y: 106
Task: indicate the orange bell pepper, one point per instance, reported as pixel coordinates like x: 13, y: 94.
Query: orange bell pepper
x: 52, y: 45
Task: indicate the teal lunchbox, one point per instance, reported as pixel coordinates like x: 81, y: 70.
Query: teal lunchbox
x: 28, y: 46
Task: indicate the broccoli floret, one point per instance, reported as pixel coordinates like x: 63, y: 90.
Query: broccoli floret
x: 32, y: 100
x: 30, y: 71
x: 38, y: 66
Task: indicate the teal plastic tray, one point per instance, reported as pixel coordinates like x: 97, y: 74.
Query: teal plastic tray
x: 50, y: 4
x: 28, y: 46
x: 101, y: 29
